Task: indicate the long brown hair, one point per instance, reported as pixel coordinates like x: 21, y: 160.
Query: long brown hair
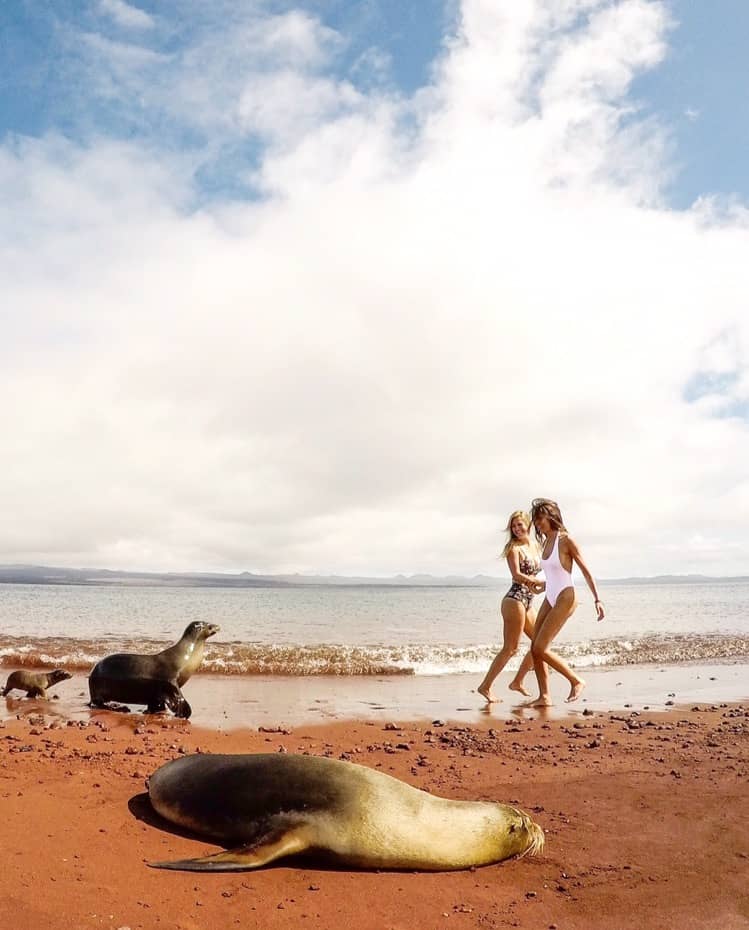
x: 512, y: 539
x: 543, y: 507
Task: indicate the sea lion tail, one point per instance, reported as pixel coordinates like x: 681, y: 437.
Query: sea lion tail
x: 281, y: 842
x: 221, y: 862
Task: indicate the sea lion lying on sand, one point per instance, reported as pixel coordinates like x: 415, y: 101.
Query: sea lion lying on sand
x: 270, y: 805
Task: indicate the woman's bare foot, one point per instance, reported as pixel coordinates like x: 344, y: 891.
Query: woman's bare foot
x: 518, y: 686
x: 487, y: 693
x: 543, y: 701
x: 575, y: 691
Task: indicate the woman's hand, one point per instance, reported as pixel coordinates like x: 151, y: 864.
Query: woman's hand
x: 600, y: 612
x: 539, y: 587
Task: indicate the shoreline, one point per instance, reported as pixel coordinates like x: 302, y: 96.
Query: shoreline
x: 646, y: 817
x: 229, y: 702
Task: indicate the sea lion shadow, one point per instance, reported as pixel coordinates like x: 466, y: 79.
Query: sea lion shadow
x: 141, y: 808
x: 112, y: 706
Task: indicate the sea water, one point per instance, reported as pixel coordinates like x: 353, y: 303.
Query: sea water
x: 363, y: 629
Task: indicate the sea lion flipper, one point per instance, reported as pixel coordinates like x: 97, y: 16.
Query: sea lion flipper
x: 242, y: 858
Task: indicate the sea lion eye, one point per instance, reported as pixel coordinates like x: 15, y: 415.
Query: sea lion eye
x: 512, y: 828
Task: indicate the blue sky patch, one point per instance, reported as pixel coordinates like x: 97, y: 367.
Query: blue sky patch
x: 64, y: 72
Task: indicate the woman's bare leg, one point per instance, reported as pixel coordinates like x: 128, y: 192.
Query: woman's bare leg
x: 559, y: 665
x: 513, y: 616
x: 550, y: 622
x: 517, y: 683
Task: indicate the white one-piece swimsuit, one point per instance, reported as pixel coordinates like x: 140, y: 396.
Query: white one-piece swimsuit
x: 557, y: 577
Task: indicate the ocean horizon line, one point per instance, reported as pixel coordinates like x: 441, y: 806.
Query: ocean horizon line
x: 19, y: 573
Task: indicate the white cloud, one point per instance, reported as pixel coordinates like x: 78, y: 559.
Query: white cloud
x: 127, y: 15
x: 416, y: 332
x: 286, y: 106
x: 247, y: 62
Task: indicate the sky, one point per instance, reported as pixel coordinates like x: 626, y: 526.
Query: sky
x: 334, y: 286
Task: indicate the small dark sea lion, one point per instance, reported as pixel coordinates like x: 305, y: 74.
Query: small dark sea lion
x: 153, y: 680
x: 268, y: 805
x: 35, y: 684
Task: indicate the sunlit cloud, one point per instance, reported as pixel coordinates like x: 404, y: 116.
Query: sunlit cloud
x: 429, y: 309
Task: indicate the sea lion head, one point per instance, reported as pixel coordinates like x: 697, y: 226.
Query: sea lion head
x: 59, y: 674
x: 519, y: 836
x: 200, y: 630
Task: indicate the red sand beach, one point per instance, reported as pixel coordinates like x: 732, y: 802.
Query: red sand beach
x: 646, y: 815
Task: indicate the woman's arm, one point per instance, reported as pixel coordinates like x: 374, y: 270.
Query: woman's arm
x: 513, y: 562
x: 590, y: 581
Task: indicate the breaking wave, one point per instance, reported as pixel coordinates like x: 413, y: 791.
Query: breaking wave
x: 240, y: 658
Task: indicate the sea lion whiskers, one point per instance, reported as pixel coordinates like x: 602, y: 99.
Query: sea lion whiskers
x: 536, y: 835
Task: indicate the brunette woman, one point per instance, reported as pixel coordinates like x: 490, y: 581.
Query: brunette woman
x: 558, y: 554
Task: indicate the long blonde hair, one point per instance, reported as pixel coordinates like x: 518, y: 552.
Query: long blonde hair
x: 512, y: 540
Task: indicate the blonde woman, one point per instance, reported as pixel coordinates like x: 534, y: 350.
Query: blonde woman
x: 558, y: 553
x: 517, y: 611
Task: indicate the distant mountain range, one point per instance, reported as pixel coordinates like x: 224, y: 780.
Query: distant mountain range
x: 43, y: 574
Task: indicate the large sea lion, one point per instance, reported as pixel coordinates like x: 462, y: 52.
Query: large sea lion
x: 35, y: 684
x: 153, y: 680
x: 270, y: 805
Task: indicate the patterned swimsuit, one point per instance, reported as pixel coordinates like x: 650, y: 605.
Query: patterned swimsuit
x: 520, y: 592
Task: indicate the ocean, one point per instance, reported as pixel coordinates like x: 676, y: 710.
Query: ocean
x: 363, y: 630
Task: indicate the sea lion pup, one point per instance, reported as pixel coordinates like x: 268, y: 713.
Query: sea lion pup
x: 35, y: 684
x: 153, y: 680
x: 268, y: 805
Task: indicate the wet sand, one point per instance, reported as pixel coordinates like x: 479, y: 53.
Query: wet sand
x: 229, y: 702
x: 646, y: 813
